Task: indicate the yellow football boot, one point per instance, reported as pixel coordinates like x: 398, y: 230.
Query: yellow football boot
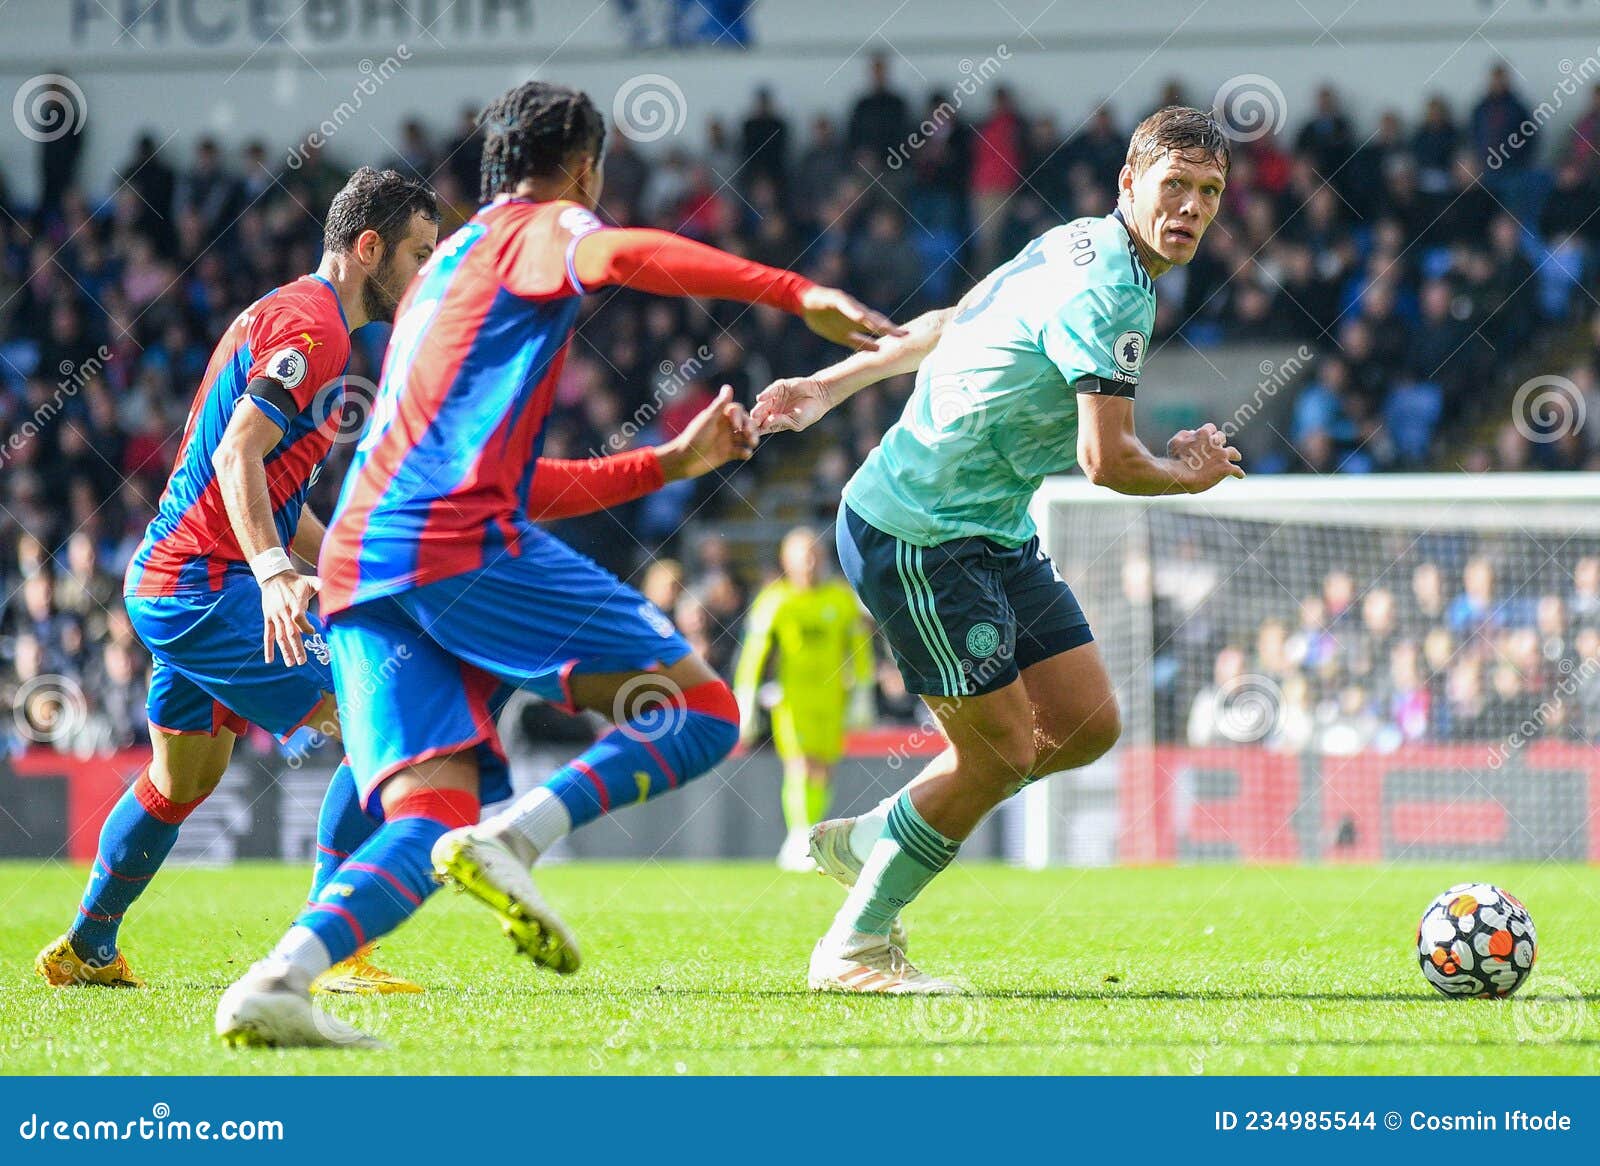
x: 358, y: 976
x: 60, y: 967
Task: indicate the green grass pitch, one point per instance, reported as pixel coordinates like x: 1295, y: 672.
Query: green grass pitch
x: 701, y: 969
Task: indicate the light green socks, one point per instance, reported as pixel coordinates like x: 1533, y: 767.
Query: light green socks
x: 904, y: 860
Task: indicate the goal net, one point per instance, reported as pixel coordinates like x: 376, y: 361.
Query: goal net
x: 1335, y: 669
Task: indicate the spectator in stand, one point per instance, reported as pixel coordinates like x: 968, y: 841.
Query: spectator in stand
x: 1327, y: 138
x: 1499, y: 114
x: 1583, y: 146
x: 764, y: 141
x: 1410, y: 700
x: 1433, y: 145
x: 208, y: 190
x: 1098, y: 151
x: 880, y: 119
x: 997, y: 161
x: 1326, y: 409
x: 85, y: 591
x: 1474, y: 610
x: 1584, y: 604
x: 1406, y: 292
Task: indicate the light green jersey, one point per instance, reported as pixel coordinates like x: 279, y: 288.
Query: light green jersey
x: 995, y: 408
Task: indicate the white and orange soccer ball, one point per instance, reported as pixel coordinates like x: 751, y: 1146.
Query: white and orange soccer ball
x: 1475, y: 940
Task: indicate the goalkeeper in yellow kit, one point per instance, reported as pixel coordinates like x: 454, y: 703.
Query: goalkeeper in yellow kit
x: 824, y: 674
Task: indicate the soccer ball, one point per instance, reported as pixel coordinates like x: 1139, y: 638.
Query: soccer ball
x: 1476, y: 940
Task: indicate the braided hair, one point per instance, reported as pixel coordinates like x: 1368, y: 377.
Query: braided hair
x: 532, y: 130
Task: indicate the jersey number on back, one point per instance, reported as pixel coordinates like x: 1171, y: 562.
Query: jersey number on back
x: 1032, y: 255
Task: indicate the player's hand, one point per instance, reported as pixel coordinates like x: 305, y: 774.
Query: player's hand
x: 840, y: 317
x: 791, y: 404
x: 720, y: 433
x: 285, y: 599
x: 1206, y: 455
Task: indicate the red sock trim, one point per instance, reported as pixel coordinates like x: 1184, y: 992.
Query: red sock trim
x: 394, y: 881
x: 159, y: 806
x: 595, y: 780
x: 713, y: 698
x: 451, y: 808
x: 672, y: 778
x: 350, y: 920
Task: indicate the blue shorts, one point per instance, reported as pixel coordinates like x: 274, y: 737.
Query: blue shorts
x: 963, y: 617
x: 417, y: 671
x: 208, y: 672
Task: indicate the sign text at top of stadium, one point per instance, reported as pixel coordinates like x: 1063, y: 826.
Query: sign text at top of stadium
x: 181, y: 24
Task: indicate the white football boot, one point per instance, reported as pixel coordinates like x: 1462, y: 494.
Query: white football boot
x: 270, y: 1007
x: 830, y: 850
x: 871, y: 964
x: 484, y: 867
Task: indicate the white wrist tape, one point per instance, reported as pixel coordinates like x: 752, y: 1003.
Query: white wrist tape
x: 269, y: 563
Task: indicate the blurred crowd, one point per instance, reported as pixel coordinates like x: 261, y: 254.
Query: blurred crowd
x: 1416, y: 268
x: 1433, y: 647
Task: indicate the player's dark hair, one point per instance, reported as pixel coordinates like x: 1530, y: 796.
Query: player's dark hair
x: 532, y: 131
x: 376, y: 200
x: 1177, y: 129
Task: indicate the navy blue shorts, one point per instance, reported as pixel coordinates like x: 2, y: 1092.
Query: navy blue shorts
x: 963, y: 617
x: 208, y: 672
x: 417, y: 672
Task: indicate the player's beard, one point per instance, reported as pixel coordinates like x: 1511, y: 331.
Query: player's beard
x: 378, y: 299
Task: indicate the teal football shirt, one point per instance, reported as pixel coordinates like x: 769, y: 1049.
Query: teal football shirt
x: 995, y: 406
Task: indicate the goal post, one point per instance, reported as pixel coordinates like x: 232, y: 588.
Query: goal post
x: 1335, y: 669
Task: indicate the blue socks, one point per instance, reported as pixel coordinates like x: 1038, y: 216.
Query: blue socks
x: 646, y: 757
x: 342, y: 826
x: 134, y: 842
x: 390, y: 874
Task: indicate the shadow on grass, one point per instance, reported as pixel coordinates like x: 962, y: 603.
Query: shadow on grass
x: 1065, y: 995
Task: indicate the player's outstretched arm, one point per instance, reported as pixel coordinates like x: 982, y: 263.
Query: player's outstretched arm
x: 240, y: 463
x: 665, y: 264
x: 795, y: 403
x: 1112, y: 455
x: 567, y: 487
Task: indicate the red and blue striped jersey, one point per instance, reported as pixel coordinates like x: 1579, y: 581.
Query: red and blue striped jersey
x: 297, y: 335
x: 440, y: 481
